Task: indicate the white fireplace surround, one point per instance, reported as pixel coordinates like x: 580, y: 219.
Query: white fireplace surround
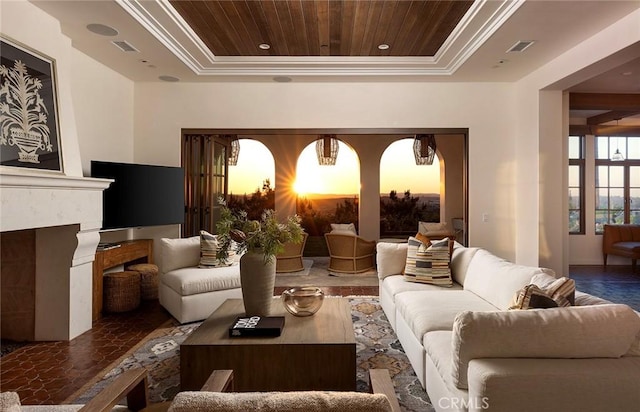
x: 66, y: 213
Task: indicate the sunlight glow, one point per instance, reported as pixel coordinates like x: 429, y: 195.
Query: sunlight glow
x: 343, y: 178
x: 399, y: 172
x: 255, y: 164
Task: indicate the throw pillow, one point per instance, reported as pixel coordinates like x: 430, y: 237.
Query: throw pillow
x: 532, y: 297
x: 562, y: 291
x: 426, y: 227
x: 423, y: 238
x: 343, y: 227
x: 209, y: 247
x: 428, y: 263
x: 179, y: 253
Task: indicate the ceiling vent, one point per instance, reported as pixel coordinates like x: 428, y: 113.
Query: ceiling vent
x: 125, y: 46
x: 520, y: 46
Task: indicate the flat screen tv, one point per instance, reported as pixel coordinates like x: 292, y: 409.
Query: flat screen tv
x: 141, y: 195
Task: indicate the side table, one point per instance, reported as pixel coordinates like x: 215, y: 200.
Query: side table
x: 129, y: 252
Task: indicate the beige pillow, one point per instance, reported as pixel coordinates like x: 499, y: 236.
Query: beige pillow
x: 391, y: 258
x: 179, y: 253
x: 426, y: 227
x: 603, y: 331
x: 344, y: 228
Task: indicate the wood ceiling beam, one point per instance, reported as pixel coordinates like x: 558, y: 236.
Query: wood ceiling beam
x: 581, y: 130
x: 604, y: 101
x: 611, y: 116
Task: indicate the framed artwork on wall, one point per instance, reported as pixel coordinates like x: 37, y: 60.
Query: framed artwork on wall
x: 29, y: 128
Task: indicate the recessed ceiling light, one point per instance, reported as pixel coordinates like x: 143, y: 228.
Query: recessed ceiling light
x: 282, y: 79
x: 264, y: 46
x: 102, y: 29
x: 166, y: 78
x: 500, y: 63
x: 383, y: 46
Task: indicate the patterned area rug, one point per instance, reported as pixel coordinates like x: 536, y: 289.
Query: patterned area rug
x: 376, y: 347
x: 319, y: 275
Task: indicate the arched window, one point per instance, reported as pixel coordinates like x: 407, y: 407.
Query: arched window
x: 327, y: 194
x: 409, y: 193
x: 251, y: 184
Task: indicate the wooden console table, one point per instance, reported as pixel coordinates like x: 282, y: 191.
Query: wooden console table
x: 128, y: 253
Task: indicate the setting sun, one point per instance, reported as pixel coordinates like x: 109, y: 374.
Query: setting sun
x: 306, y: 183
x: 342, y: 178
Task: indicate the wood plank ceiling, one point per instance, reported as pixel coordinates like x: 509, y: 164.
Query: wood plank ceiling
x: 322, y: 27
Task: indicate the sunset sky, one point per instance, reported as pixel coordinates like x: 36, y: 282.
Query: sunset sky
x: 398, y: 171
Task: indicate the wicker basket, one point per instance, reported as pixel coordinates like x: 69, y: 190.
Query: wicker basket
x: 121, y: 291
x: 148, y: 280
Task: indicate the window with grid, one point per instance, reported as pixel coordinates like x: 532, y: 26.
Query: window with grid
x: 617, y: 181
x: 576, y: 184
x: 204, y: 159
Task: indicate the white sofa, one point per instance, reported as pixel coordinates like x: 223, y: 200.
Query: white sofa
x: 188, y: 292
x: 471, y: 353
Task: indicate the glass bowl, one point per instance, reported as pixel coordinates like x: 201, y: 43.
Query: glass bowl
x: 303, y: 300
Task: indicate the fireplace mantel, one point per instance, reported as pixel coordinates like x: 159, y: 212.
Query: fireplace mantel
x: 29, y: 201
x: 66, y: 213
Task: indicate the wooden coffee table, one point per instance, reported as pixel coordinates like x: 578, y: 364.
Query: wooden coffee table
x: 312, y: 353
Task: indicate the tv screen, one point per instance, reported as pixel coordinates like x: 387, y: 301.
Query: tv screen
x: 141, y: 195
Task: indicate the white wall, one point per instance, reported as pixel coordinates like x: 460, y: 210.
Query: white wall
x: 103, y: 104
x: 163, y: 109
x: 542, y: 127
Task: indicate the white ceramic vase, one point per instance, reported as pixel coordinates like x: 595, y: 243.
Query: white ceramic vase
x: 257, y: 279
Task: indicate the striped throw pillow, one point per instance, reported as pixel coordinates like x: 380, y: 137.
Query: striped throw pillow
x: 532, y: 297
x: 428, y: 263
x: 562, y: 291
x: 209, y: 246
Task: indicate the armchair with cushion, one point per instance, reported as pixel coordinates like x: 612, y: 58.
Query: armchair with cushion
x: 621, y: 240
x: 217, y: 394
x: 349, y: 253
x: 290, y: 260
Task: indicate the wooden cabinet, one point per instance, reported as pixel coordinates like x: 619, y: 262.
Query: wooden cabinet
x: 128, y: 253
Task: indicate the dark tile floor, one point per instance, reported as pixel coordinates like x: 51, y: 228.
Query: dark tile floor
x: 49, y: 372
x: 617, y: 284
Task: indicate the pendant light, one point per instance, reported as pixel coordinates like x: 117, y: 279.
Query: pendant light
x: 424, y: 149
x: 327, y: 150
x: 617, y: 156
x: 235, y: 150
